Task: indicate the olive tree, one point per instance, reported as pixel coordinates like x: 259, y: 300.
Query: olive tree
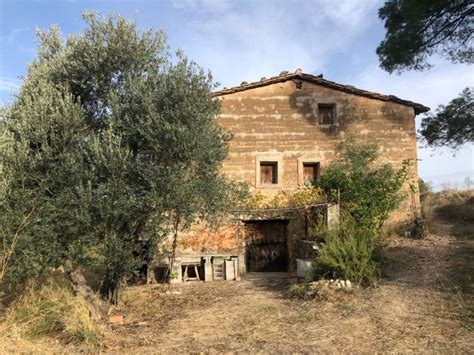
x: 119, y: 137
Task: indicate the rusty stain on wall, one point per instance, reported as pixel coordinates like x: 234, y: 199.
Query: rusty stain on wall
x: 206, y: 240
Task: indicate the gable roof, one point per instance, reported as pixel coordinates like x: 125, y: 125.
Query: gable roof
x: 318, y: 80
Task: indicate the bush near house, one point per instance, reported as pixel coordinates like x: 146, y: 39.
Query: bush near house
x: 348, y: 253
x: 368, y: 191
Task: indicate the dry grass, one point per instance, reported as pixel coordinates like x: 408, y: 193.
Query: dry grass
x: 256, y: 315
x: 450, y: 211
x: 49, y: 311
x: 423, y: 303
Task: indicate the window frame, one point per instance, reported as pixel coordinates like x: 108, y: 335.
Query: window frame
x: 332, y: 106
x: 269, y: 159
x: 316, y: 172
x: 273, y: 167
x: 307, y: 161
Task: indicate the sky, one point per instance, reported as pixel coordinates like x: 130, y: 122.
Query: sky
x: 247, y: 39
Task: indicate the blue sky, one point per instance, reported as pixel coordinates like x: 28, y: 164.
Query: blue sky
x: 245, y: 40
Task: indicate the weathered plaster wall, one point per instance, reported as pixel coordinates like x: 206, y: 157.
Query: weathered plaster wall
x: 280, y: 122
x: 227, y: 237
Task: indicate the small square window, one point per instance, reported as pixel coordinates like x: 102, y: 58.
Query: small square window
x: 327, y: 113
x: 310, y: 172
x: 268, y: 173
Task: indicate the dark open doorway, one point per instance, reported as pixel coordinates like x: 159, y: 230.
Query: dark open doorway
x: 266, y: 249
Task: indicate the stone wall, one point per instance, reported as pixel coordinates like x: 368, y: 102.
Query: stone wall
x: 279, y: 122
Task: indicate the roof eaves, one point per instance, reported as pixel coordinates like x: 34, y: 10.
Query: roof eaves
x: 285, y: 76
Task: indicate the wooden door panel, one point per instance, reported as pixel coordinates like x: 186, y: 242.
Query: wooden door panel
x: 266, y: 248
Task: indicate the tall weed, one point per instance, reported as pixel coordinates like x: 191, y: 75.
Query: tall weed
x: 50, y: 308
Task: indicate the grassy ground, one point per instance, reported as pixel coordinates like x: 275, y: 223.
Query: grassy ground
x: 423, y: 303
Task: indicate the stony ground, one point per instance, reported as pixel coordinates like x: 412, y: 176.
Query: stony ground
x: 418, y: 306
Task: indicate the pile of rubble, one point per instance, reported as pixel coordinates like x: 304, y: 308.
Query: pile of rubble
x: 345, y: 285
x: 318, y: 287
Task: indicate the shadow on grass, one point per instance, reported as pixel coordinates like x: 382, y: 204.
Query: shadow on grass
x: 276, y: 282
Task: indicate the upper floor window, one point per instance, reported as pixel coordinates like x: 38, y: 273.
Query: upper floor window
x: 310, y: 172
x: 268, y: 172
x: 327, y: 113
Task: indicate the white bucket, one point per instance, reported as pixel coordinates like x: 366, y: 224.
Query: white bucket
x: 303, y: 267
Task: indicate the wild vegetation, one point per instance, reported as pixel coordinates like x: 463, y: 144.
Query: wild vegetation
x: 110, y: 144
x: 368, y: 187
x: 48, y: 307
x: 300, y: 202
x: 348, y: 253
x: 422, y: 302
x: 368, y: 190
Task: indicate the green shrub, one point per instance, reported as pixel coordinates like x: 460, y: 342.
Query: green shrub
x: 424, y: 187
x: 298, y: 290
x: 347, y: 254
x: 368, y: 188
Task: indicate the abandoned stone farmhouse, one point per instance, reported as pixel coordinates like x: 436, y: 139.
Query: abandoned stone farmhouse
x: 285, y: 132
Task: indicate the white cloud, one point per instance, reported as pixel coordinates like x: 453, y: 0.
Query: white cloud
x: 431, y: 88
x: 8, y: 84
x: 349, y: 13
x: 435, y: 87
x: 246, y: 40
x: 12, y: 36
x: 207, y: 5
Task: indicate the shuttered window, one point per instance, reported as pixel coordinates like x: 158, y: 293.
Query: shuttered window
x: 327, y: 113
x: 310, y: 172
x: 268, y: 173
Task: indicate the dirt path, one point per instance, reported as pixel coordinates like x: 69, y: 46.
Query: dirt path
x: 416, y: 307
